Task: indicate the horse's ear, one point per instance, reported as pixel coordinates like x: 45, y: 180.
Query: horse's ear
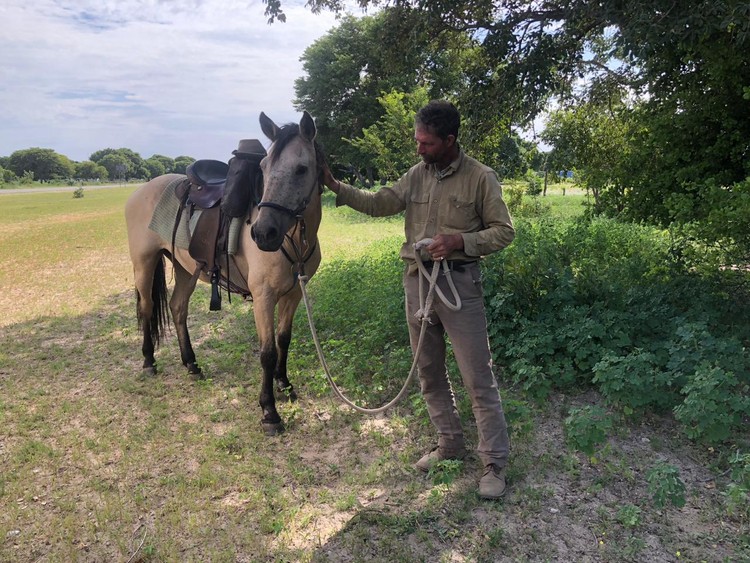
x: 307, y: 126
x: 268, y: 127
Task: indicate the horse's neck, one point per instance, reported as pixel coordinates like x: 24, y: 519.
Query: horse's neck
x: 312, y: 217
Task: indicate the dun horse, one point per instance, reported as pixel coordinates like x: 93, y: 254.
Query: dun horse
x: 277, y: 242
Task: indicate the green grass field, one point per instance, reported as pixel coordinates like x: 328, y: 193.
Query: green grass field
x: 98, y: 463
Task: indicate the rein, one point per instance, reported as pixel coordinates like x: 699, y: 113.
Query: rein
x: 299, y: 259
x: 422, y: 314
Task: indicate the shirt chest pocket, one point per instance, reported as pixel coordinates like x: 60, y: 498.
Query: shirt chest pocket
x: 460, y: 214
x: 418, y: 209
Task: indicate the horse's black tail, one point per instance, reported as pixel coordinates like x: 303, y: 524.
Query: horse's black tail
x: 159, y: 321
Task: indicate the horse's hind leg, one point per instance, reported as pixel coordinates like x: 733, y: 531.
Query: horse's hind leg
x: 151, y: 306
x: 184, y: 285
x: 287, y: 307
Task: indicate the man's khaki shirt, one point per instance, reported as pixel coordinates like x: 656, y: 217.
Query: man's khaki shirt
x: 465, y: 198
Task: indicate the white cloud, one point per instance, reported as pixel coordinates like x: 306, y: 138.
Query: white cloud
x: 168, y: 77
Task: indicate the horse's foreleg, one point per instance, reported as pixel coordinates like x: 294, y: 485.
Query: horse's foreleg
x: 183, y: 289
x: 263, y: 310
x: 287, y: 308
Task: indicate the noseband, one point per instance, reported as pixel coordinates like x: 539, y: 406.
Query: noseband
x: 291, y: 212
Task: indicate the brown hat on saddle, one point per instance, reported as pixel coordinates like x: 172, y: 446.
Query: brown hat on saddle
x: 250, y: 147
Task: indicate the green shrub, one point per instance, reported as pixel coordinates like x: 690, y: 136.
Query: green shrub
x: 715, y: 405
x: 636, y: 381
x: 586, y: 428
x: 599, y: 302
x: 570, y: 305
x: 629, y: 515
x: 665, y: 485
x: 737, y: 493
x: 533, y: 183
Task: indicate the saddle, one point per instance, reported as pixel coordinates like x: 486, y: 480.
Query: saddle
x: 203, y: 190
x: 207, y: 179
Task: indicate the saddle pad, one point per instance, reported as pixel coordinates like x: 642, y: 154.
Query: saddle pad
x: 165, y: 213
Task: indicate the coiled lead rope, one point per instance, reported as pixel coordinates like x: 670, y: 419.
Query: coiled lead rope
x: 422, y: 314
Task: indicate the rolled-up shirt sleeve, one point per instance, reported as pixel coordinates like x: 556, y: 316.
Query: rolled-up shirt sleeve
x: 382, y: 203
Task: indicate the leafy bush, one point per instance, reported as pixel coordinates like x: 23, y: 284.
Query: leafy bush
x: 524, y: 206
x: 715, y: 404
x: 738, y: 492
x: 603, y: 303
x: 664, y: 484
x: 533, y: 183
x: 586, y: 428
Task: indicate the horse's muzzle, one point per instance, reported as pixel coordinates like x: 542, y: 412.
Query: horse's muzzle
x: 267, y: 234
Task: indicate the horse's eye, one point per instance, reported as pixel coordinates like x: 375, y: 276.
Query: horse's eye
x: 301, y: 170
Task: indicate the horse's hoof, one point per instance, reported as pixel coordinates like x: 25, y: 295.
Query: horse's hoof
x: 286, y: 394
x: 149, y: 371
x: 272, y: 428
x: 194, y: 371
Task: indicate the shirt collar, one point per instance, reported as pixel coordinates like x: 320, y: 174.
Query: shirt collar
x: 448, y: 170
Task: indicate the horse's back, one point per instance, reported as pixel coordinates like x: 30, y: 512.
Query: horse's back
x: 139, y: 209
x: 147, y: 196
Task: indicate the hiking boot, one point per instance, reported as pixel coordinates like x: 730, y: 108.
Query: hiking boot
x: 426, y: 462
x: 492, y: 483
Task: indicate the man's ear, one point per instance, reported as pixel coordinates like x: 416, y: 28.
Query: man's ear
x: 450, y: 140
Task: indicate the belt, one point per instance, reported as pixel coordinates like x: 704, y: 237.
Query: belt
x: 453, y: 265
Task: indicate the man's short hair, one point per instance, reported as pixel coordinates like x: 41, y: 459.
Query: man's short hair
x: 441, y: 117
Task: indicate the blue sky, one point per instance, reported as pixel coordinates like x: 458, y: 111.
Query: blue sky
x: 182, y: 77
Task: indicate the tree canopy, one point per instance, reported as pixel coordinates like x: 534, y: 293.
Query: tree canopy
x: 672, y: 78
x: 349, y: 68
x: 105, y: 164
x: 43, y: 164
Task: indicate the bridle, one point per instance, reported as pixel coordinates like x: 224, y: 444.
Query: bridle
x: 297, y: 212
x: 301, y: 256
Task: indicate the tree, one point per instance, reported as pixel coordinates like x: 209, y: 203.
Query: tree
x: 155, y: 167
x: 43, y: 164
x: 595, y: 141
x: 684, y: 65
x: 166, y: 162
x: 345, y: 74
x: 88, y: 170
x: 118, y: 166
x: 670, y: 52
x: 390, y: 141
x: 134, y: 166
x: 181, y: 163
x: 7, y: 176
